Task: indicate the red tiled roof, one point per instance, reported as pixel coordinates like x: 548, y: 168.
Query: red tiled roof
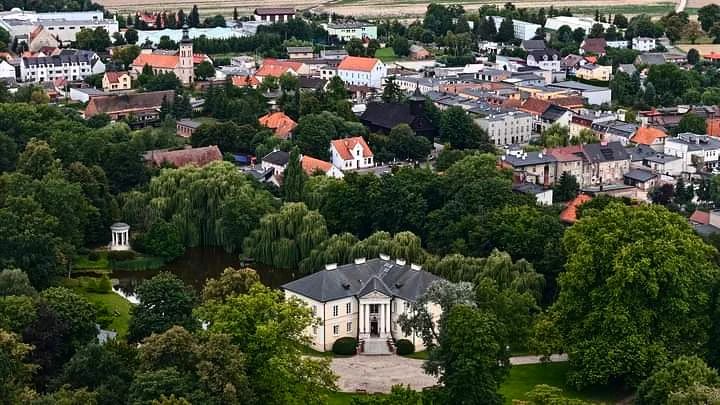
x: 114, y: 77
x: 569, y: 214
x: 591, y: 59
x: 358, y: 64
x: 535, y: 106
x: 647, y: 135
x: 567, y: 153
x: 157, y: 61
x: 245, y: 81
x: 183, y: 157
x: 700, y: 217
x: 712, y: 56
x: 569, y: 101
x: 278, y: 121
x: 344, y: 147
x: 199, y: 58
x: 311, y: 165
x: 595, y: 45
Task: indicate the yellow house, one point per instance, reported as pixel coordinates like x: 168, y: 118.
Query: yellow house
x: 543, y: 93
x: 594, y: 72
x: 115, y: 81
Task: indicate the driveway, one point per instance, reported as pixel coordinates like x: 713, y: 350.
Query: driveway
x: 380, y: 373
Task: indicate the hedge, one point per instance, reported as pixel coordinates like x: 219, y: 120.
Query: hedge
x: 404, y: 347
x: 345, y: 346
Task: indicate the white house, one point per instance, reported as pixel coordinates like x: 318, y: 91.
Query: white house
x: 345, y: 31
x: 351, y: 153
x: 644, y: 44
x: 545, y: 59
x: 7, y: 70
x: 362, y: 71
x: 696, y: 151
x: 68, y: 65
x: 62, y: 25
x: 362, y: 300
x: 506, y: 127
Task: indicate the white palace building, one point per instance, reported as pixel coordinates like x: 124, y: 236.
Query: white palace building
x: 362, y: 300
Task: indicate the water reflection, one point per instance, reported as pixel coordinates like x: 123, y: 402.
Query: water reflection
x: 194, y: 268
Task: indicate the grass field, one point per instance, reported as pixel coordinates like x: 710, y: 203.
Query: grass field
x: 387, y: 8
x: 386, y: 54
x: 117, y: 305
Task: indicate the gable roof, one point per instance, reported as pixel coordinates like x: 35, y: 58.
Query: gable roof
x: 599, y: 152
x: 569, y: 214
x: 361, y: 278
x: 245, y: 81
x: 183, y: 157
x: 389, y: 115
x: 554, y: 112
x: 276, y: 68
x: 155, y: 60
x: 648, y: 135
x: 129, y: 102
x: 640, y: 175
x: 345, y: 146
x: 530, y: 44
x: 114, y: 77
x: 310, y: 165
x: 595, y: 45
x: 535, y: 106
x: 571, y: 153
x: 358, y: 63
x: 278, y: 121
x: 700, y: 217
x: 277, y: 157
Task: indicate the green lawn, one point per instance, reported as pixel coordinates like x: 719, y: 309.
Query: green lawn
x: 522, y: 379
x: 423, y: 355
x: 118, y: 306
x: 82, y: 263
x: 344, y: 398
x: 386, y: 54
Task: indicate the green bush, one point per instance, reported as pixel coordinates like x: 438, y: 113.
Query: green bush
x: 93, y: 256
x: 120, y: 255
x: 345, y: 346
x: 404, y: 347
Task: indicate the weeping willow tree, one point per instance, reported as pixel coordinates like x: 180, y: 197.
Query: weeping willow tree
x: 337, y: 249
x: 344, y: 248
x: 214, y: 205
x: 510, y: 290
x: 519, y: 276
x: 283, y: 239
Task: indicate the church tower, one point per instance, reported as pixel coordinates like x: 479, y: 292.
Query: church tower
x: 186, y: 70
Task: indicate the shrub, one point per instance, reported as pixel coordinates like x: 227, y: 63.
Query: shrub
x: 120, y: 255
x: 93, y: 256
x: 404, y: 347
x: 345, y: 346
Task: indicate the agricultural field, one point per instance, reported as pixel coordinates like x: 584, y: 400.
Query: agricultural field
x: 387, y: 8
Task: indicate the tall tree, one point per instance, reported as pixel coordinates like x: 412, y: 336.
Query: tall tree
x: 294, y: 178
x: 625, y: 290
x: 164, y: 301
x: 678, y: 375
x: 270, y: 332
x: 283, y: 239
x: 193, y: 19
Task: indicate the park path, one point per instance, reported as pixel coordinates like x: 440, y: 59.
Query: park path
x: 380, y: 373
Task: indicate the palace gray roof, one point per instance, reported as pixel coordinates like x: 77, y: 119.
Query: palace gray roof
x: 359, y: 279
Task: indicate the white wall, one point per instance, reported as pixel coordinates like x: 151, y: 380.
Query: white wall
x: 373, y: 79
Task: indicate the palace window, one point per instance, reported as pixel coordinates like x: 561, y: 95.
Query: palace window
x: 349, y: 327
x: 336, y: 330
x: 336, y: 311
x: 314, y: 330
x: 348, y: 307
x: 314, y: 309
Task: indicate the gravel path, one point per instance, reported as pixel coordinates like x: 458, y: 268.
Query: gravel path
x: 380, y: 373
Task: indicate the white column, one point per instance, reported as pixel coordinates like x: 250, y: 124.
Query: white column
x: 114, y: 238
x: 367, y: 318
x: 385, y: 318
x: 362, y: 315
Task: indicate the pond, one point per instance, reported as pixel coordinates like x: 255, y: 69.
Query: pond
x: 195, y: 267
